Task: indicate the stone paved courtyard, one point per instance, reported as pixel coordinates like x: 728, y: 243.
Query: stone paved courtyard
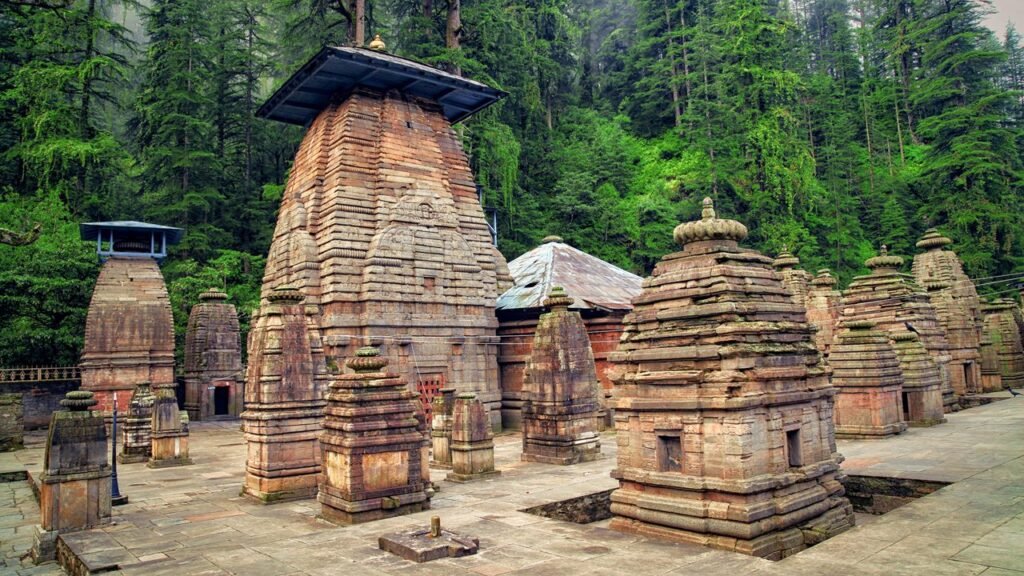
x: 191, y: 520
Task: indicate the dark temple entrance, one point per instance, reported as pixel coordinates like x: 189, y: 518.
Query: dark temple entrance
x: 221, y: 397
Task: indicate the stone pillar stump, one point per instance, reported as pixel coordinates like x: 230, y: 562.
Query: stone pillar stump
x: 137, y: 427
x: 472, y: 440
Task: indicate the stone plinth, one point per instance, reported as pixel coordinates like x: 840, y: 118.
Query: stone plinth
x: 956, y: 301
x: 74, y: 488
x: 922, y: 383
x: 169, y: 432
x: 441, y: 429
x: 991, y: 376
x: 823, y: 304
x: 472, y: 440
x: 426, y: 544
x: 381, y: 226
x: 137, y: 426
x: 867, y: 375
x: 284, y: 400
x: 723, y: 405
x: 1001, y: 329
x: 895, y: 303
x: 372, y: 445
x: 213, y: 359
x: 561, y: 391
x: 129, y: 331
x: 796, y: 280
x: 12, y: 423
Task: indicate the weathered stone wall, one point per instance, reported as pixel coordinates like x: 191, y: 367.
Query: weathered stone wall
x: 39, y: 399
x: 380, y: 227
x: 129, y: 331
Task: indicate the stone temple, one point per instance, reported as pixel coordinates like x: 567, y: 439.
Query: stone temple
x: 1001, y: 329
x: 956, y: 301
x: 129, y: 330
x: 381, y: 227
x: 823, y: 303
x: 723, y: 405
x: 602, y: 295
x: 213, y: 359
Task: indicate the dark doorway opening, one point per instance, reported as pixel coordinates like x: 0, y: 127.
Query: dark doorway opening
x: 221, y: 398
x: 906, y: 407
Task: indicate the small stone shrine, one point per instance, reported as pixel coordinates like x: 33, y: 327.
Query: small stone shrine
x: 213, y: 359
x: 137, y: 426
x: 896, y: 303
x: 866, y: 373
x: 823, y: 303
x: 922, y: 383
x: 602, y: 295
x: 169, y: 434
x: 12, y: 423
x: 560, y: 390
x: 991, y: 373
x: 723, y: 405
x: 441, y: 429
x: 381, y: 224
x: 956, y: 301
x: 798, y: 281
x: 372, y: 457
x: 285, y: 392
x: 472, y: 441
x: 74, y: 488
x: 129, y: 329
x: 1001, y: 329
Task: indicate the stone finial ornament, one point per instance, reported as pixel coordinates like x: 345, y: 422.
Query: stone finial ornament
x: 709, y: 227
x: 550, y: 239
x: 785, y: 259
x: 884, y: 262
x: 824, y: 278
x: 377, y: 44
x: 932, y: 240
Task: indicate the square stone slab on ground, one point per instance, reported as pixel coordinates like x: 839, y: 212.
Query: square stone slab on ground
x: 420, y: 546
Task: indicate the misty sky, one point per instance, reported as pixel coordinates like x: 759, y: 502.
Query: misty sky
x: 1006, y: 11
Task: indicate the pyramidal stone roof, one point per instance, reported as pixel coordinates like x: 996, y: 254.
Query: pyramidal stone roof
x: 593, y: 283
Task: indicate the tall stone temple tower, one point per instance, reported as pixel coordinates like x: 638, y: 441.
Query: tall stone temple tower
x: 129, y: 330
x: 723, y: 405
x: 381, y: 226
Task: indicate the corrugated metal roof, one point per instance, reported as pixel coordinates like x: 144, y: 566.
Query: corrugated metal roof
x: 89, y: 230
x: 592, y: 282
x: 341, y: 69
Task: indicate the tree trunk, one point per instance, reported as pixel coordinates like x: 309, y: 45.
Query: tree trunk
x: 453, y: 33
x: 428, y: 9
x: 673, y: 71
x: 359, y: 26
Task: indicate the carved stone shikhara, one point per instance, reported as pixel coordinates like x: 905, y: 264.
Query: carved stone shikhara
x: 137, y: 426
x: 896, y: 303
x: 956, y: 301
x: 74, y: 488
x: 381, y: 227
x: 823, y: 303
x: 867, y: 375
x: 472, y: 441
x: 560, y: 390
x: 213, y: 359
x: 284, y: 400
x: 922, y: 382
x: 723, y: 405
x: 129, y: 331
x: 372, y: 444
x: 798, y: 281
x: 1001, y: 329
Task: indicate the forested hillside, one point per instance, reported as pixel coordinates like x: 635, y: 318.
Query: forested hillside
x: 830, y: 126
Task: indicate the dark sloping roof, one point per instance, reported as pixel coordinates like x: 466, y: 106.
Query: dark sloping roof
x: 338, y: 69
x: 592, y: 282
x: 89, y: 230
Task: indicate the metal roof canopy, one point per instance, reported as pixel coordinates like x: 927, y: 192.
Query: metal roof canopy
x: 338, y: 70
x: 593, y: 283
x: 158, y: 237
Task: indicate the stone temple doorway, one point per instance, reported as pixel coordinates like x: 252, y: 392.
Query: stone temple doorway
x: 221, y: 401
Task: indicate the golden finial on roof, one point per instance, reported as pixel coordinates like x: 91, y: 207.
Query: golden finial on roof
x: 377, y: 44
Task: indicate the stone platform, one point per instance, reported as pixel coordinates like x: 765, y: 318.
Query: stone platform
x: 193, y: 521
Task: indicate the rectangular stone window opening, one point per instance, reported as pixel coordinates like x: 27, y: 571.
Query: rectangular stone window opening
x: 793, y: 449
x: 428, y: 386
x: 670, y: 453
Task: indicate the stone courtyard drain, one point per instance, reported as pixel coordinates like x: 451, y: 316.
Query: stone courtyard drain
x: 879, y: 495
x: 580, y: 510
